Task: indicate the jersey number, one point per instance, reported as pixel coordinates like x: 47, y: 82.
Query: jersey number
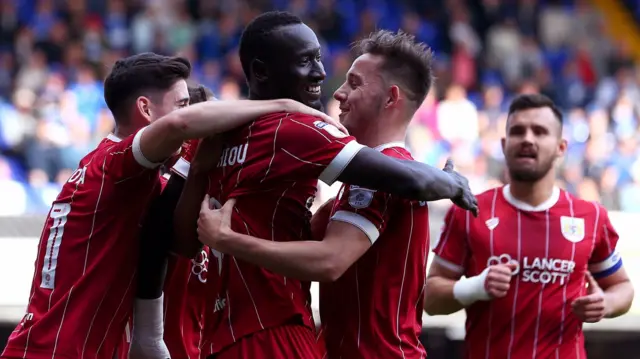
x: 58, y: 216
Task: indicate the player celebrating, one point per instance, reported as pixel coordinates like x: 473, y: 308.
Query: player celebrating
x: 527, y: 258
x: 374, y: 309
x: 272, y: 167
x: 184, y: 284
x: 82, y: 292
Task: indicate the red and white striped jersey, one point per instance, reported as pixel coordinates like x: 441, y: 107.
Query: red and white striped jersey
x: 375, y: 309
x: 554, y: 245
x: 271, y: 167
x: 184, y: 288
x: 84, y: 281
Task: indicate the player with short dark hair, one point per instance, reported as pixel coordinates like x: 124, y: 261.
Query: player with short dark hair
x: 84, y: 278
x: 371, y: 259
x: 526, y: 260
x: 271, y: 167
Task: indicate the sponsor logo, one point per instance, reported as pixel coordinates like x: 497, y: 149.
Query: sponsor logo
x: 492, y: 223
x: 199, y: 266
x: 537, y: 269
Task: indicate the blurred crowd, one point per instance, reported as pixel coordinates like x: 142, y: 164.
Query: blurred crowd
x: 54, y: 54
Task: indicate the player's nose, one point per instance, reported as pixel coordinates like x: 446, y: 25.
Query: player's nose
x: 317, y: 73
x: 340, y: 95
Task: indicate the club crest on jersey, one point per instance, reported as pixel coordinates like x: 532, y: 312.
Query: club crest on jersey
x: 492, y: 223
x: 360, y: 197
x: 333, y: 130
x: 572, y: 228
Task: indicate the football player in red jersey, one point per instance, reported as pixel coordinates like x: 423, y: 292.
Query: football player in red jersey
x: 82, y: 290
x: 271, y: 167
x: 371, y: 261
x: 527, y: 258
x: 184, y: 281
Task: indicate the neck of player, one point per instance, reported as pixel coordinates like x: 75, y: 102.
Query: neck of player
x: 386, y: 129
x: 533, y: 193
x: 123, y: 131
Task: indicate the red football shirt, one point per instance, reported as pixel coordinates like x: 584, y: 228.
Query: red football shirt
x: 271, y: 167
x: 554, y: 244
x: 184, y: 287
x: 84, y: 280
x: 375, y: 309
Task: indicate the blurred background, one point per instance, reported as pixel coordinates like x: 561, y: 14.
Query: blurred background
x: 582, y: 53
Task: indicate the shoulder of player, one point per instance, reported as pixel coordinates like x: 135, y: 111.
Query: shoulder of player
x: 581, y: 207
x: 397, y: 151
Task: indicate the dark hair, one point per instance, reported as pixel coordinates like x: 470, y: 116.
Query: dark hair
x: 406, y: 60
x: 199, y: 94
x: 255, y: 37
x: 531, y: 101
x: 141, y: 74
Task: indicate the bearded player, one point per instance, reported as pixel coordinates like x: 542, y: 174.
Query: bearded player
x: 271, y: 167
x: 528, y: 258
x: 372, y: 259
x: 83, y: 285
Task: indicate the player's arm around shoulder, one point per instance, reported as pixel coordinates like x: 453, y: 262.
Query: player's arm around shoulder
x: 447, y: 291
x: 610, y: 292
x: 163, y: 138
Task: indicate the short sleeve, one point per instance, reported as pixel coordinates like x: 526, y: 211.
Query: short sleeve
x: 126, y: 158
x: 307, y: 147
x: 364, y: 208
x: 452, y: 249
x: 605, y: 259
x: 187, y: 152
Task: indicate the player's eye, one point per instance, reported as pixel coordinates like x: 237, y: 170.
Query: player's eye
x: 319, y: 57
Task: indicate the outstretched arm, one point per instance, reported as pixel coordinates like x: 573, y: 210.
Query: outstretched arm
x: 408, y: 179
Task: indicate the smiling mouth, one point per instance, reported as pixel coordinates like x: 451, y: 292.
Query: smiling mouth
x: 313, y: 90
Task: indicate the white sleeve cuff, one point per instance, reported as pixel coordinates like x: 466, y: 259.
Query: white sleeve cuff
x: 137, y: 152
x: 359, y: 221
x: 340, y: 162
x: 449, y: 265
x: 181, y: 168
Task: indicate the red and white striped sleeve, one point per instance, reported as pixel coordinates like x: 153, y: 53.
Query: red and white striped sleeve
x: 452, y: 249
x: 605, y: 258
x: 305, y: 146
x: 125, y: 158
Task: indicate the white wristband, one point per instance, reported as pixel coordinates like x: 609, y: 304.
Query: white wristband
x: 469, y: 290
x: 148, y: 320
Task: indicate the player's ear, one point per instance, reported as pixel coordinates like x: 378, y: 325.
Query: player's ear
x: 503, y: 142
x: 259, y: 70
x: 393, y: 95
x: 143, y: 107
x: 562, y: 147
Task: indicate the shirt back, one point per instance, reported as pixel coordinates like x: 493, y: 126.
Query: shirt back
x: 375, y: 309
x: 553, y: 245
x: 84, y: 281
x: 271, y: 167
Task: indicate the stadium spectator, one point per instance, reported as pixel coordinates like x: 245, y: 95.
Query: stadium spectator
x: 54, y: 54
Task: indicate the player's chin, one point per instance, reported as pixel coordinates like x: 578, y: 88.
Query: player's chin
x: 524, y: 173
